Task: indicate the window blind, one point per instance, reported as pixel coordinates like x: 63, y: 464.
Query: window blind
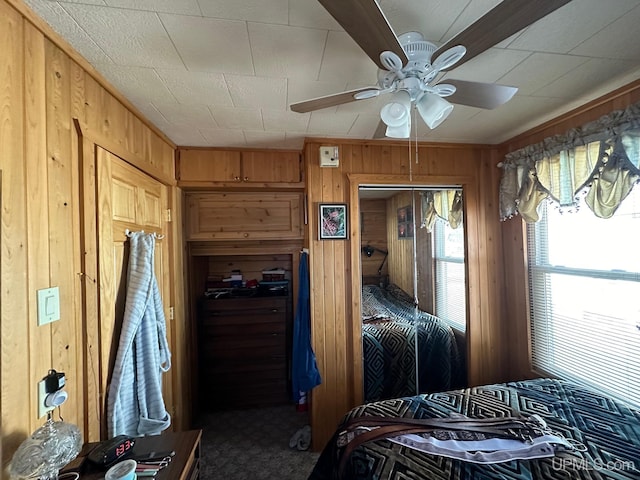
x: 584, y: 282
x: 450, y: 292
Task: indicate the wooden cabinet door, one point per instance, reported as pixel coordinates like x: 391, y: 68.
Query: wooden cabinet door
x: 246, y: 215
x: 202, y: 165
x: 271, y: 167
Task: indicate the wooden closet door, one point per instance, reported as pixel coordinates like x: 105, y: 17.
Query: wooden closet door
x: 127, y: 199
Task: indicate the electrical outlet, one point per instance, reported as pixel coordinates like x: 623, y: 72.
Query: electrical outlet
x: 42, y: 394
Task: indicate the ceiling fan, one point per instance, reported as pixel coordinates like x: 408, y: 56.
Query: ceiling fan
x: 410, y: 66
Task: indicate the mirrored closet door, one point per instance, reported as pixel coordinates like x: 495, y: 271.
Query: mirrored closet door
x: 413, y: 289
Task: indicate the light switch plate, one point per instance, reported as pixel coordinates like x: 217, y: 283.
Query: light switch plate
x: 48, y: 305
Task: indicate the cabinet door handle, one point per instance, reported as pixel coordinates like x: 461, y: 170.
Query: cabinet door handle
x: 246, y: 179
x: 236, y: 178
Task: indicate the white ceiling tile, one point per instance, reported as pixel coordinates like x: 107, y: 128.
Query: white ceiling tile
x: 283, y: 51
x: 152, y: 114
x: 343, y: 58
x: 293, y: 141
x: 210, y: 45
x: 464, y: 14
x: 331, y: 123
x: 196, y: 88
x: 187, y: 136
x: 610, y: 43
x: 585, y: 77
x: 193, y: 116
x: 310, y: 13
x: 264, y: 139
x: 183, y: 7
x: 217, y: 137
x: 245, y: 61
x: 519, y: 114
x: 136, y: 83
x: 275, y: 120
x: 364, y: 126
x: 267, y: 11
x: 88, y: 2
x: 258, y: 92
x: 237, y: 118
x: 489, y: 66
x: 539, y: 70
x: 141, y: 39
x: 562, y: 32
x: 433, y: 20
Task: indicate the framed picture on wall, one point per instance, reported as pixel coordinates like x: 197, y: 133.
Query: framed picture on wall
x: 332, y: 221
x: 405, y: 222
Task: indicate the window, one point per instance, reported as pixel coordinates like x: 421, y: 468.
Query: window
x: 584, y: 281
x: 450, y: 274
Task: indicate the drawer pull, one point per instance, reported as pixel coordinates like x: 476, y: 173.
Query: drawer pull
x: 274, y: 310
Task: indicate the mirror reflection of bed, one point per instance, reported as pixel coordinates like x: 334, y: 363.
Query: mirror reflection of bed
x: 413, y: 290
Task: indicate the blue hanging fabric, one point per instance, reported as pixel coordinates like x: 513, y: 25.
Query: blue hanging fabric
x: 304, y: 370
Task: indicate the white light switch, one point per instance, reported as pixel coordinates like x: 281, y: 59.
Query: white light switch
x: 48, y: 305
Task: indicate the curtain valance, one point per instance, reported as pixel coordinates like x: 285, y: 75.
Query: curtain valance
x: 446, y: 204
x: 600, y: 160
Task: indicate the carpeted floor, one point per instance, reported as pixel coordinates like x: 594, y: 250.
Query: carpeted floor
x: 254, y: 445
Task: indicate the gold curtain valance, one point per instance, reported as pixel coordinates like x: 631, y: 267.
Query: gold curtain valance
x: 600, y: 160
x: 445, y: 204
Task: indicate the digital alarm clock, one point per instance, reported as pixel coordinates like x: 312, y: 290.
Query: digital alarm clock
x: 112, y: 450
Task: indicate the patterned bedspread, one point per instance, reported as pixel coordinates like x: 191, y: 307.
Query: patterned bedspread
x: 389, y: 345
x: 609, y: 430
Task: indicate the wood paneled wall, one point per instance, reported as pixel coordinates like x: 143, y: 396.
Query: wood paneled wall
x: 335, y: 264
x: 44, y: 87
x: 513, y: 230
x: 401, y: 255
x: 373, y: 230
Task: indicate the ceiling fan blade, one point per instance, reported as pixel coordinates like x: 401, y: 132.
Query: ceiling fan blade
x: 507, y: 18
x: 480, y: 95
x: 366, y: 24
x: 380, y: 130
x: 328, y: 100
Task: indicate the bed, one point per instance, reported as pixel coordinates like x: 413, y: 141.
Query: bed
x: 389, y: 328
x: 609, y: 431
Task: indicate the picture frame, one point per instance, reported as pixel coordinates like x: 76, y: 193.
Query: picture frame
x: 333, y: 221
x: 405, y: 222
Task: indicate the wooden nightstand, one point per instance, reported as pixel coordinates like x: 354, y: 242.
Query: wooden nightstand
x: 184, y: 466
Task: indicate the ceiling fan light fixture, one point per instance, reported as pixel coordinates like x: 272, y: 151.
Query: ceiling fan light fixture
x: 401, y: 131
x: 397, y: 112
x: 433, y: 109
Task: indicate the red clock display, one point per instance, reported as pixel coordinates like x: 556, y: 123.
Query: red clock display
x: 112, y: 450
x: 124, y: 447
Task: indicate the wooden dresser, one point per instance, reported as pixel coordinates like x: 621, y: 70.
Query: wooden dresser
x: 244, y: 351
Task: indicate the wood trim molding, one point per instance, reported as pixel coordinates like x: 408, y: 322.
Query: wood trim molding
x: 102, y: 141
x: 476, y: 321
